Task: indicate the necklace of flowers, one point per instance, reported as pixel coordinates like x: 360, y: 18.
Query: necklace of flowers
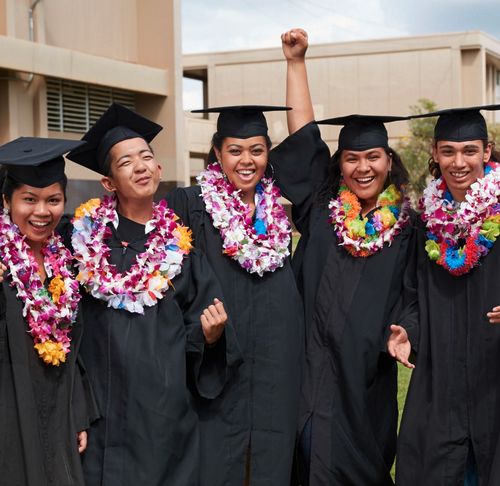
x: 258, y: 248
x: 49, y: 312
x: 363, y: 237
x: 153, y: 270
x: 476, y: 220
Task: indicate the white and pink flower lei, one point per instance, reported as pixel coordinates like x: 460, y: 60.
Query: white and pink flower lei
x: 256, y: 253
x: 50, y: 313
x: 153, y: 270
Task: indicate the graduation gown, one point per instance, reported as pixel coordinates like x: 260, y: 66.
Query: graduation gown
x: 453, y: 398
x: 258, y: 406
x: 42, y: 407
x: 144, y: 368
x: 351, y: 383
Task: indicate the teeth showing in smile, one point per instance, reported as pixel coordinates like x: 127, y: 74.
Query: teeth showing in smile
x: 39, y: 224
x: 458, y: 174
x: 365, y: 179
x: 245, y: 172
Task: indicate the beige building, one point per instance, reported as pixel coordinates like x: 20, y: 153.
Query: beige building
x: 380, y: 77
x: 62, y: 62
x: 59, y: 76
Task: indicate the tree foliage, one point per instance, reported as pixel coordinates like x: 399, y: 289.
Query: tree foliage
x: 415, y: 148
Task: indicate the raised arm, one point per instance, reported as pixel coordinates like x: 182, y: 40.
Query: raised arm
x: 294, y: 43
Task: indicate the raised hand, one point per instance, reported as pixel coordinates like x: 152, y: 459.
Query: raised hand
x: 294, y: 43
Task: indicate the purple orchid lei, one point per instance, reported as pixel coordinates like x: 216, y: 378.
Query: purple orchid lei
x: 49, y: 313
x: 150, y: 276
x: 257, y: 250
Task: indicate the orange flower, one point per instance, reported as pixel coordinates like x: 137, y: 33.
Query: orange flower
x: 80, y: 211
x: 184, y: 235
x: 51, y: 352
x: 56, y: 288
x: 351, y: 203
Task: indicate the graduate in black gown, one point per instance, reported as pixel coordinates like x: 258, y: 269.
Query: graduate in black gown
x: 248, y: 432
x: 350, y: 271
x: 146, y: 347
x: 450, y: 430
x: 46, y: 403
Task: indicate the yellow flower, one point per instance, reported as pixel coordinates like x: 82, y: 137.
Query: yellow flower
x: 387, y: 217
x: 184, y: 237
x: 51, y: 352
x: 85, y: 208
x: 56, y: 288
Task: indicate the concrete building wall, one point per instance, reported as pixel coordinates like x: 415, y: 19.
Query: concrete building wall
x: 370, y: 77
x: 132, y: 45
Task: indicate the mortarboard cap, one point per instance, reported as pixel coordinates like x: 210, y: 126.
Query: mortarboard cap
x: 118, y: 123
x: 37, y: 162
x: 362, y: 132
x: 245, y: 121
x: 460, y: 124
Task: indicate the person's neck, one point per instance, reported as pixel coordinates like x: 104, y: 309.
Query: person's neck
x: 458, y: 196
x: 248, y: 198
x: 139, y: 211
x: 367, y: 206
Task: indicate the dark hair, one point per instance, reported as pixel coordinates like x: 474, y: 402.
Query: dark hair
x: 107, y: 172
x: 8, y: 185
x: 435, y: 171
x: 218, y: 140
x: 398, y: 176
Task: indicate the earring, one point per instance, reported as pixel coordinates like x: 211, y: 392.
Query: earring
x: 272, y: 169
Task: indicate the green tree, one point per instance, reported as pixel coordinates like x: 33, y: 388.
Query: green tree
x: 494, y: 132
x: 415, y: 148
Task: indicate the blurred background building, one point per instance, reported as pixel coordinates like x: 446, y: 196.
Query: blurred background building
x: 62, y: 62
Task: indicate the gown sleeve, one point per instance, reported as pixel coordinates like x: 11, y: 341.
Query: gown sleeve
x: 406, y: 312
x: 3, y: 321
x: 300, y: 164
x: 84, y: 407
x: 210, y: 366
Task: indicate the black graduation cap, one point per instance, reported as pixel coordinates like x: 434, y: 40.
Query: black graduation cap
x: 244, y: 121
x: 362, y: 132
x: 118, y: 123
x: 37, y: 162
x: 460, y: 124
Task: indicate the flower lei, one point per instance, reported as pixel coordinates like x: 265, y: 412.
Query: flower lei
x: 153, y: 270
x: 50, y: 313
x: 258, y: 248
x: 363, y: 237
x: 476, y: 220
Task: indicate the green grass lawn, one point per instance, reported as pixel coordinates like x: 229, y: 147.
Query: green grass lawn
x: 404, y: 375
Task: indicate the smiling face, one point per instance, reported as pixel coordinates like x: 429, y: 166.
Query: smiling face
x: 135, y: 175
x: 36, y: 211
x: 461, y: 164
x: 244, y: 162
x: 365, y: 174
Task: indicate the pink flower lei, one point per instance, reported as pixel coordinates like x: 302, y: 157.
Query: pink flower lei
x: 476, y: 220
x: 49, y: 312
x: 256, y: 251
x: 150, y: 276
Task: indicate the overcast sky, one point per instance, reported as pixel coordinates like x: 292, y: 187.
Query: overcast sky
x: 228, y: 25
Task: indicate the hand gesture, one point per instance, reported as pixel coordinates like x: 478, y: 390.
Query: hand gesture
x: 81, y: 438
x: 213, y: 321
x: 494, y: 315
x: 3, y: 269
x: 294, y: 43
x: 399, y: 345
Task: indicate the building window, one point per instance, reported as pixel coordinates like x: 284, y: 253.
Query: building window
x: 75, y: 107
